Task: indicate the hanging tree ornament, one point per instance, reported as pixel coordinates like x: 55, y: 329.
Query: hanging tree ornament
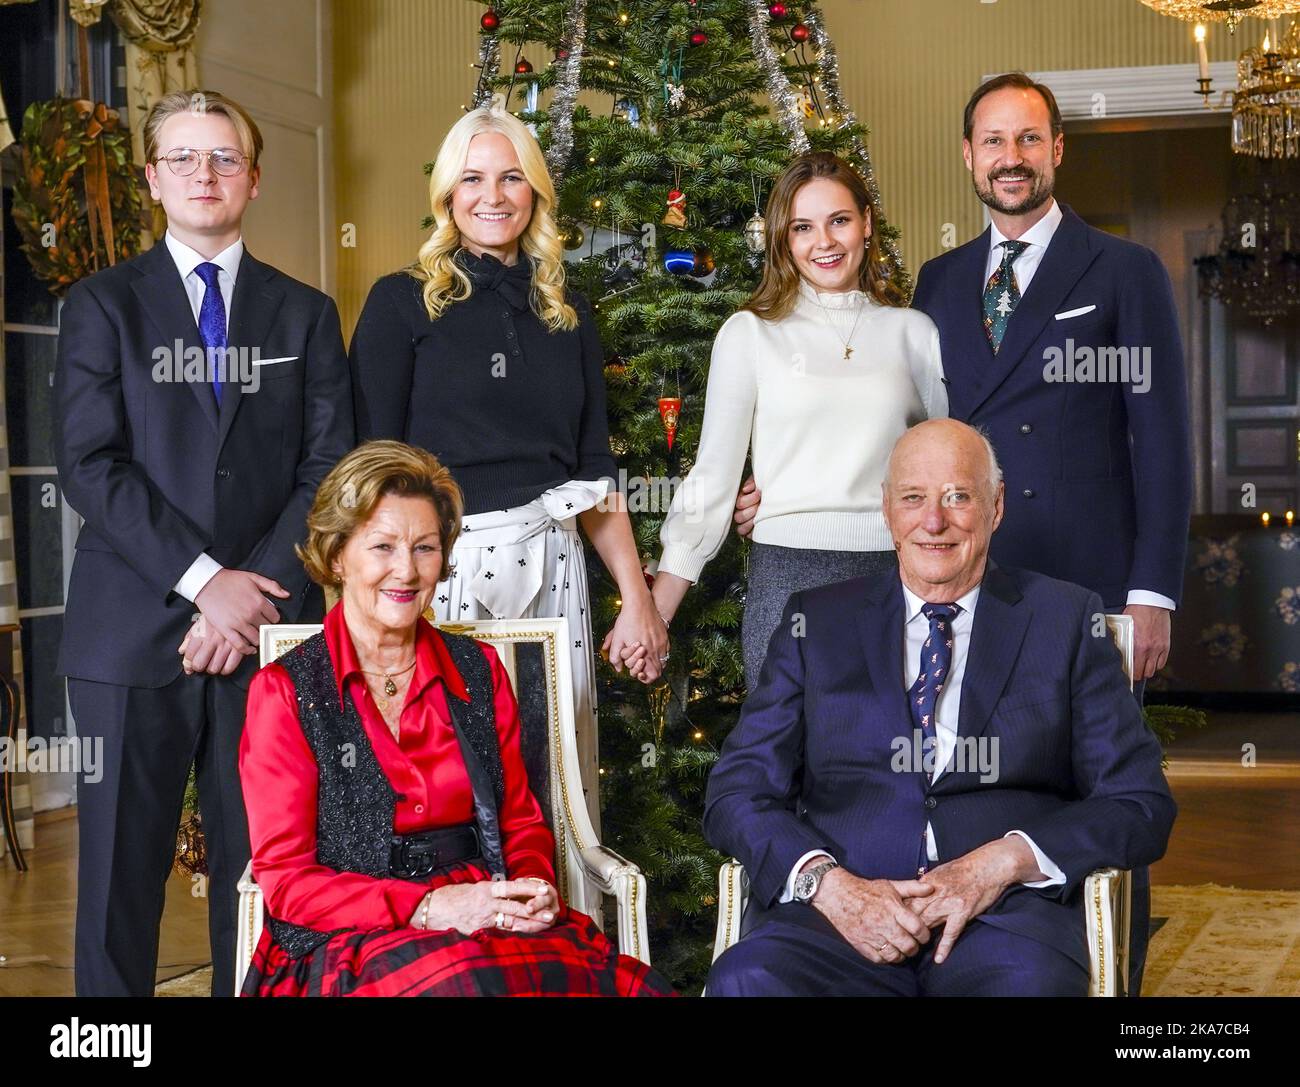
x: 698, y: 38
x: 676, y: 216
x: 490, y: 21
x: 523, y: 67
x: 572, y: 236
x: 670, y: 411
x: 777, y: 11
x: 799, y: 33
x: 756, y: 228
x: 670, y: 71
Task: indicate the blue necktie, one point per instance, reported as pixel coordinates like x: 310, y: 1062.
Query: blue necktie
x: 936, y: 660
x: 1002, y: 294
x: 212, y: 324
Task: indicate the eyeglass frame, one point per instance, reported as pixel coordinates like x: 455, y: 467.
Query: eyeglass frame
x: 204, y: 153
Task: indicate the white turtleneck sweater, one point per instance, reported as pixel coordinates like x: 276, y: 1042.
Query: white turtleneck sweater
x: 821, y: 426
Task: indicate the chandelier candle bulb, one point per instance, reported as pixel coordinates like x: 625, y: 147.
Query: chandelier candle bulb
x: 1201, y: 55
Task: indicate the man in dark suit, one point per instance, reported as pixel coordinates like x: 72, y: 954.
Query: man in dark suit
x: 202, y: 396
x: 932, y: 763
x: 1062, y: 342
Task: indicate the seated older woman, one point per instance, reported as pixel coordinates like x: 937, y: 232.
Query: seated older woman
x: 398, y: 846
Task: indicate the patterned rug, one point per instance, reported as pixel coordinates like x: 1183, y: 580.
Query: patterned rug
x: 1221, y: 941
x: 195, y: 983
x: 1211, y: 941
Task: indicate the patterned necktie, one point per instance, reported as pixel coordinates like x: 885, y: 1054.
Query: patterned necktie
x: 212, y: 324
x: 936, y: 660
x: 1002, y: 295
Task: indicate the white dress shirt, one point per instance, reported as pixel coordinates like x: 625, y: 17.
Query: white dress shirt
x: 916, y: 628
x: 1037, y: 238
x: 204, y: 567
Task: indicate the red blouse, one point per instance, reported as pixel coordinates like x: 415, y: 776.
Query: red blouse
x: 424, y: 765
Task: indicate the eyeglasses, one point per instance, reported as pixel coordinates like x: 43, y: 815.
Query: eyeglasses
x: 185, y: 160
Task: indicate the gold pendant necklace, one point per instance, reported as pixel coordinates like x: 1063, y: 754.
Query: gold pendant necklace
x: 390, y: 687
x: 848, y: 351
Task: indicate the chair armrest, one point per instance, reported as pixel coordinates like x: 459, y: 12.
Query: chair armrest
x: 249, y: 923
x: 733, y: 897
x: 619, y: 877
x: 1106, y: 908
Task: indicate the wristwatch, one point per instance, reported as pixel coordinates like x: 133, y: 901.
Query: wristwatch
x: 806, y: 883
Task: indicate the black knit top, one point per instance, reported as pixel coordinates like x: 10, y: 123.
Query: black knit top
x: 510, y: 408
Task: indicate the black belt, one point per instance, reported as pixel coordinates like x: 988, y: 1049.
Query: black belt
x: 414, y: 856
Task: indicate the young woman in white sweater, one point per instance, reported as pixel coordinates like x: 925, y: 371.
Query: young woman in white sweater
x: 816, y: 377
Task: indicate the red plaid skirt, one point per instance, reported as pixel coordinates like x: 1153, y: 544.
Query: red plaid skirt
x: 571, y: 958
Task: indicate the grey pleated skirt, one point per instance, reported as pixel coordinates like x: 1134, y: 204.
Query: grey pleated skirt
x: 775, y: 572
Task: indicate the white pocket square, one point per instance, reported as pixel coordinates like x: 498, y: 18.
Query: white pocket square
x: 268, y: 362
x: 1075, y: 312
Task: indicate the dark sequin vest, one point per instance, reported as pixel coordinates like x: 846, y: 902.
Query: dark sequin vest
x: 355, y: 803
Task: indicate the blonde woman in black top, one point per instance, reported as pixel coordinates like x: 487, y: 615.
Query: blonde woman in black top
x: 479, y: 354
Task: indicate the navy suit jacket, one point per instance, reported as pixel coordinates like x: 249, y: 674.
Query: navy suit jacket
x: 1081, y: 504
x: 159, y: 475
x: 809, y: 765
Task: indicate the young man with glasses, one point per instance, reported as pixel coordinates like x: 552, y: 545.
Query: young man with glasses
x: 201, y: 398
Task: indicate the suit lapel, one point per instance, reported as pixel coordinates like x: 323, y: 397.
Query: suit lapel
x: 880, y: 633
x: 1067, y: 258
x: 256, y: 300
x: 162, y: 296
x: 970, y: 367
x: 999, y: 628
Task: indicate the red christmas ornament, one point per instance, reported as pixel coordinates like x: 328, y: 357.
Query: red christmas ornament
x: 561, y: 54
x: 777, y: 11
x: 799, y: 33
x: 698, y: 37
x: 670, y: 410
x: 490, y: 20
x: 523, y: 67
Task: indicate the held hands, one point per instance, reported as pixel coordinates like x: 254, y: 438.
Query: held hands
x: 204, y: 650
x: 233, y: 605
x: 516, y: 905
x: 964, y: 888
x: 874, y: 914
x: 638, y: 640
x: 888, y: 920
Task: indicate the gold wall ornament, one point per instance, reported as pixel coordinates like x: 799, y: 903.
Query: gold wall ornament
x: 160, y: 26
x: 86, y: 12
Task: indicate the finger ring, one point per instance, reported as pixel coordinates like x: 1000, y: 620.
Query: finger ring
x: 538, y: 879
x: 501, y: 920
x: 883, y: 946
x: 186, y: 662
x: 663, y: 659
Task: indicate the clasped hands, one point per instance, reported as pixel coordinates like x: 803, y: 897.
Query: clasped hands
x: 231, y: 608
x: 517, y: 905
x: 638, y: 640
x: 888, y: 920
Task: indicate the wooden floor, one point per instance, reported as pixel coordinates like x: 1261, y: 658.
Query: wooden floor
x: 1237, y: 826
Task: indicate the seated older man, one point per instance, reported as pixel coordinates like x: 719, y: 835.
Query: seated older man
x: 932, y: 763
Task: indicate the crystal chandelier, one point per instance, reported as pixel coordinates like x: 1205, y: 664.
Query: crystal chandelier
x: 1224, y: 11
x: 1256, y: 267
x: 1266, y: 107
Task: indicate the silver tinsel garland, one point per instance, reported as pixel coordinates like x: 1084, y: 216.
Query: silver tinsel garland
x: 489, y: 62
x: 829, y: 65
x: 565, y: 96
x: 789, y: 115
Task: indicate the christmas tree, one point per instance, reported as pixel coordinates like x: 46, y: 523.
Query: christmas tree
x: 701, y: 104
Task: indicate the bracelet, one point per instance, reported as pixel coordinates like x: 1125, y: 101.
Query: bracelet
x: 665, y: 622
x: 424, y: 911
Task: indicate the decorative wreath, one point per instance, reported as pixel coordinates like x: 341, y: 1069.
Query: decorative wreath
x: 76, y: 200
